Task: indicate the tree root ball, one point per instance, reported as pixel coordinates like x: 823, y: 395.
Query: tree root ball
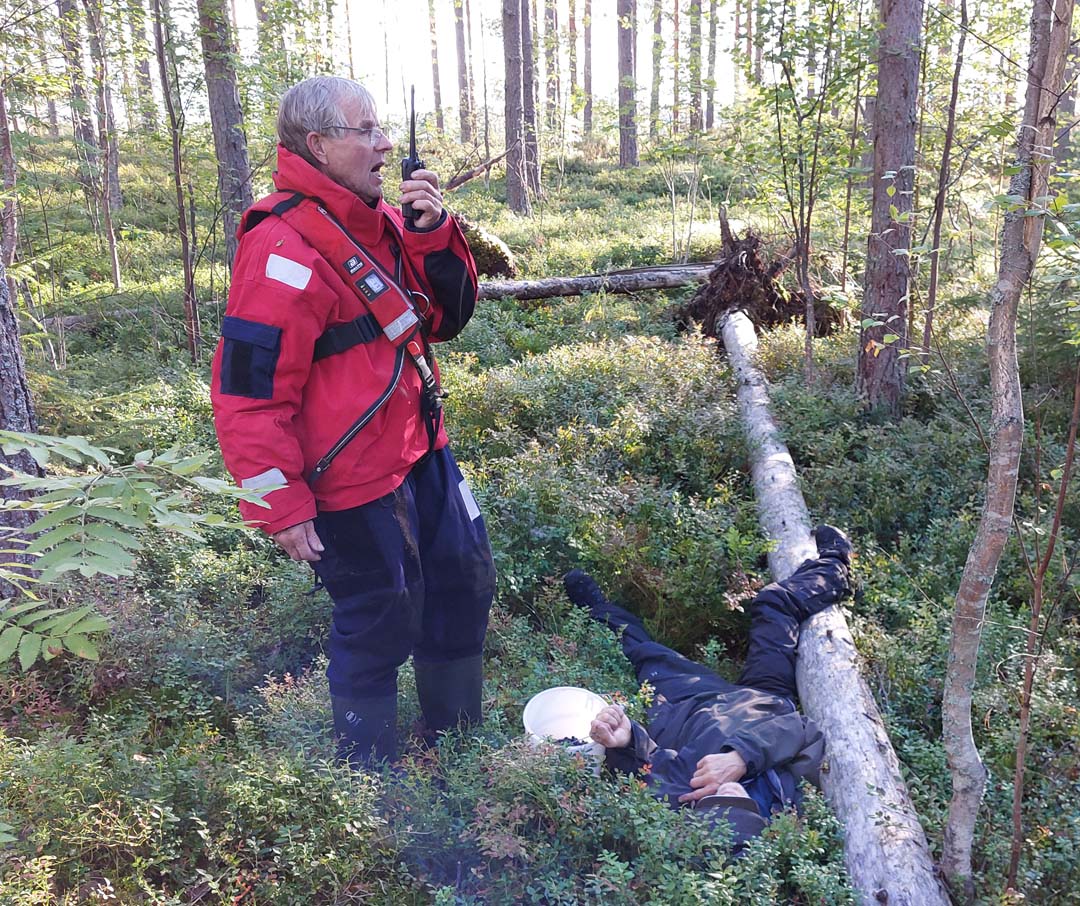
x: 493, y: 256
x: 742, y: 280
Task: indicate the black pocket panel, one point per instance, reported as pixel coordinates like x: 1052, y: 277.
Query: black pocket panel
x: 249, y: 357
x: 454, y: 290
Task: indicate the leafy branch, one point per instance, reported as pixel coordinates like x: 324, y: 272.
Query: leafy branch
x: 90, y: 512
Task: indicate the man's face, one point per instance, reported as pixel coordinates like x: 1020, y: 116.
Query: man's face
x: 351, y: 159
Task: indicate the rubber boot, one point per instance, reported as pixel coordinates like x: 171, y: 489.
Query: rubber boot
x: 450, y: 691
x: 366, y: 728
x: 582, y: 590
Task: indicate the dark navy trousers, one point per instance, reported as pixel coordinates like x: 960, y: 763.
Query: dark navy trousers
x: 409, y: 573
x: 776, y: 614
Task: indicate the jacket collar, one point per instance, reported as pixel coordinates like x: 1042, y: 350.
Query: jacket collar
x: 294, y: 174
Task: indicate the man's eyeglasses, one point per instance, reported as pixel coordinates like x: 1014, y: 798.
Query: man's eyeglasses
x: 375, y: 134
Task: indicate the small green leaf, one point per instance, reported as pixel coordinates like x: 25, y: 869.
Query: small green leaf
x: 61, y: 624
x: 53, y: 518
x: 49, y: 539
x: 890, y: 191
x: 889, y: 338
x: 9, y: 641
x: 29, y: 648
x: 81, y: 646
x: 50, y: 648
x: 92, y: 624
x: 119, y: 516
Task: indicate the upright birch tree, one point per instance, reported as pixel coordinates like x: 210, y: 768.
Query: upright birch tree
x: 1021, y: 236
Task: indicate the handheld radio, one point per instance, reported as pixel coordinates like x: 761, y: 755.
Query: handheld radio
x: 412, y: 163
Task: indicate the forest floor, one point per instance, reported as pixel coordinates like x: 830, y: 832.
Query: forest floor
x: 193, y: 763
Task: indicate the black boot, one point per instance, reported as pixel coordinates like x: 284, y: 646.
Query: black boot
x: 831, y: 542
x: 582, y: 590
x: 366, y: 728
x: 450, y: 691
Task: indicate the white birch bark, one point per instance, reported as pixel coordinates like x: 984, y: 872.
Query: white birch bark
x: 885, y: 848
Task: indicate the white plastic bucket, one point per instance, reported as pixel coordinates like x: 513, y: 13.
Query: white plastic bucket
x: 564, y: 712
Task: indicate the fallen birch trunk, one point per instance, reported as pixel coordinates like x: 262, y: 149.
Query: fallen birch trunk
x: 885, y: 848
x: 629, y: 281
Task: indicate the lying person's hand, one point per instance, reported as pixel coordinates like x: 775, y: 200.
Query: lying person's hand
x: 611, y: 728
x: 714, y: 771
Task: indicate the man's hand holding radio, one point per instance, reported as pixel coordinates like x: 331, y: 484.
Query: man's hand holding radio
x: 421, y: 190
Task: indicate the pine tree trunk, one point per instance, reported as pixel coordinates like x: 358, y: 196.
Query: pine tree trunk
x: 106, y: 122
x: 676, y: 72
x: 551, y: 62
x: 226, y: 119
x: 16, y: 404
x: 571, y: 50
x: 528, y: 98
x: 694, y: 65
x: 85, y: 140
x: 710, y: 81
x: 517, y: 195
x: 657, y: 57
x: 587, y: 122
x: 167, y: 72
x: 628, y: 149
x: 435, y: 67
x: 885, y: 299
x: 1067, y: 112
x: 140, y: 49
x: 110, y: 175
x: 1021, y: 237
x: 465, y: 107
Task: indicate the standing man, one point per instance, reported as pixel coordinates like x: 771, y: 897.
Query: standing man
x: 325, y: 388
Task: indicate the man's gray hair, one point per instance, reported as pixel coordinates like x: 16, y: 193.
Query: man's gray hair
x: 314, y: 105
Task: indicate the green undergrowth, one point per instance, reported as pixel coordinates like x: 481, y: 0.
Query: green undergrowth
x: 194, y: 762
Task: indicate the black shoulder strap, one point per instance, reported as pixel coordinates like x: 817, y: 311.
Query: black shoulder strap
x: 254, y: 218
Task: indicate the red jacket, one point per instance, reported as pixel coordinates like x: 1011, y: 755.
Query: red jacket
x: 275, y: 410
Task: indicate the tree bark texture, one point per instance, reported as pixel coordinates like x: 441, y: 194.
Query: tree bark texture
x: 85, y: 140
x: 657, y: 58
x: 528, y: 98
x: 885, y: 849
x: 140, y: 49
x: 587, y: 122
x: 628, y: 149
x: 226, y: 120
x: 465, y: 114
x: 693, y: 65
x: 571, y: 49
x: 885, y: 296
x: 710, y: 76
x: 106, y: 122
x: 551, y: 63
x: 517, y: 195
x: 16, y: 414
x: 626, y: 282
x: 9, y: 224
x: 167, y: 73
x: 435, y: 67
x: 1020, y: 239
x: 109, y: 179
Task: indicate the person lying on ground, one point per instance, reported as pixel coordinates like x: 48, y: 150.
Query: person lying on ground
x: 741, y: 748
